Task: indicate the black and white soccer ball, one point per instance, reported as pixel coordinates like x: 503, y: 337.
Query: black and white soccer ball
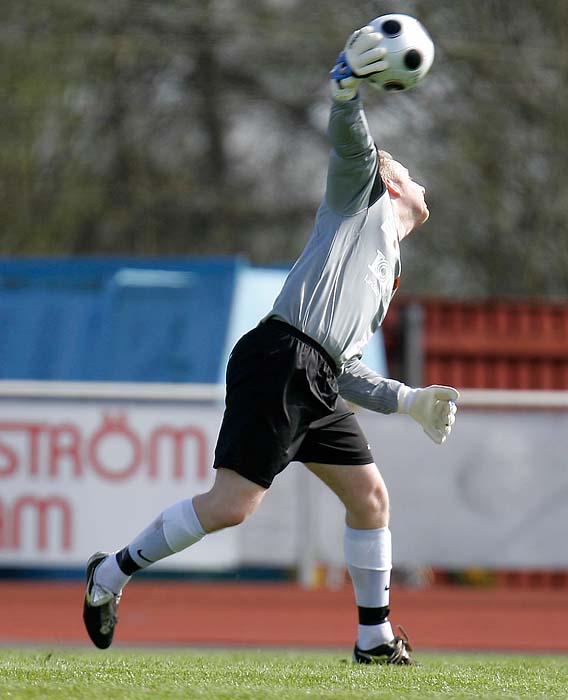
x: 410, y: 52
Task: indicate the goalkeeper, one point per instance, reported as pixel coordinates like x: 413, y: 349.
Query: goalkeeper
x: 287, y: 379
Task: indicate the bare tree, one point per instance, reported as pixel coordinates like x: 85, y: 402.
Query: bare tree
x: 188, y: 128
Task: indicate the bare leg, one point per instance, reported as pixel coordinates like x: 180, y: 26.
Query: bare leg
x: 368, y: 557
x: 362, y: 491
x: 230, y: 501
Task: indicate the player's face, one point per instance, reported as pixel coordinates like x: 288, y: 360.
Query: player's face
x: 412, y: 197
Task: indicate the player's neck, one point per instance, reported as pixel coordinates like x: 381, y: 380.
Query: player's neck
x: 407, y: 218
x: 405, y: 224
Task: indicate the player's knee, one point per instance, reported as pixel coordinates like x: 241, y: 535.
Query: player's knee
x: 226, y: 511
x: 373, y: 507
x: 234, y: 514
x: 380, y: 499
x: 229, y: 502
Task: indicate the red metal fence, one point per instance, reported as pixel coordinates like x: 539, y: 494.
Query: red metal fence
x: 485, y: 344
x: 482, y: 345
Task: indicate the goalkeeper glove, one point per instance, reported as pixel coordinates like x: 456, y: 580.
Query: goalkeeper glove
x: 361, y: 57
x: 433, y: 407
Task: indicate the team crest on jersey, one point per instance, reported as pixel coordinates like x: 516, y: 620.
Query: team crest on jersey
x: 380, y: 274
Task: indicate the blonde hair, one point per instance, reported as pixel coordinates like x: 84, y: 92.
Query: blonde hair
x: 389, y: 168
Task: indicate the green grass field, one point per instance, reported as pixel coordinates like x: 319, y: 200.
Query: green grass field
x: 269, y: 675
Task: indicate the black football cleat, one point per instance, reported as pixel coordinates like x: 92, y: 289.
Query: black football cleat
x: 100, y: 606
x: 395, y: 653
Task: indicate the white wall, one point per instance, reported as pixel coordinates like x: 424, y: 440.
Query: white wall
x: 82, y: 473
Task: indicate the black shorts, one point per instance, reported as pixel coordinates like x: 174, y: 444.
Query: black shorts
x: 282, y: 405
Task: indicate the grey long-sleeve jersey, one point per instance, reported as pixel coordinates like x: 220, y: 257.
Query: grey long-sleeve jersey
x: 340, y: 288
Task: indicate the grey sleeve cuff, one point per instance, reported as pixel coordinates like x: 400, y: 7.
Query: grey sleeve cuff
x: 360, y: 385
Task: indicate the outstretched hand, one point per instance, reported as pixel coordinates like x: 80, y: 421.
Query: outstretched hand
x: 362, y: 56
x: 433, y: 407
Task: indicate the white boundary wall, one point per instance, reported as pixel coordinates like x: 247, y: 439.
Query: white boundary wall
x: 85, y: 466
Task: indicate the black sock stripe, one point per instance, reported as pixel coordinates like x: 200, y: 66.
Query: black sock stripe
x: 126, y: 563
x: 373, y: 616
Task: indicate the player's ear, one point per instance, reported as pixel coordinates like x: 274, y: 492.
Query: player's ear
x: 392, y: 187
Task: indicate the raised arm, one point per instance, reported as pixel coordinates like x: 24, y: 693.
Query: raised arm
x: 353, y: 161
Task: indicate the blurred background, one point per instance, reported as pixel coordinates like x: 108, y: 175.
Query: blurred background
x: 183, y: 128
x: 161, y: 167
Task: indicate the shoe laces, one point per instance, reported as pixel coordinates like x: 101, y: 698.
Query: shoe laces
x: 401, y: 646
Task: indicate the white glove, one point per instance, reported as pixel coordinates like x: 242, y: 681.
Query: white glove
x: 361, y: 57
x: 433, y: 407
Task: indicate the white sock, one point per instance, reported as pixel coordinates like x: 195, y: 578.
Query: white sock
x: 181, y: 526
x: 109, y: 575
x: 177, y: 528
x: 370, y: 636
x: 368, y: 556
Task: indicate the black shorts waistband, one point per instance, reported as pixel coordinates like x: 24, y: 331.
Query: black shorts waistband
x: 292, y: 330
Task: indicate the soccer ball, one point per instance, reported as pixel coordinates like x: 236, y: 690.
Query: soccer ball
x: 410, y: 52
